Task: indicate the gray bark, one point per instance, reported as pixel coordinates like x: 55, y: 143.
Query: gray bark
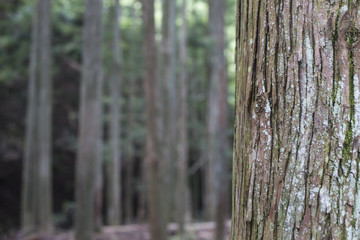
x: 216, y: 190
x: 36, y: 189
x: 114, y: 171
x: 168, y: 102
x: 90, y: 122
x: 182, y: 198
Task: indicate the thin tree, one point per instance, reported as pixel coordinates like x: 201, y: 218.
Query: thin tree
x: 168, y: 101
x: 152, y: 158
x: 296, y: 151
x: 217, y: 120
x: 113, y: 166
x: 182, y: 198
x: 90, y: 122
x: 36, y: 190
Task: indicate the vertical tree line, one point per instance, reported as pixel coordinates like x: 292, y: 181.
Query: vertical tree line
x: 89, y: 155
x: 37, y: 201
x: 125, y: 173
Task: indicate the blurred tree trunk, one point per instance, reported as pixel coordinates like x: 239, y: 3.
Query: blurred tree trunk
x: 157, y: 222
x: 114, y: 164
x: 90, y: 122
x: 296, y: 151
x: 182, y: 198
x: 216, y: 190
x: 129, y: 195
x: 36, y: 190
x: 168, y: 78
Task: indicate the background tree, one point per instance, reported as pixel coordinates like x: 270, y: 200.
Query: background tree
x: 182, y: 196
x: 113, y: 166
x: 168, y: 101
x: 90, y: 133
x: 157, y: 217
x: 296, y: 152
x: 36, y: 192
x: 217, y: 119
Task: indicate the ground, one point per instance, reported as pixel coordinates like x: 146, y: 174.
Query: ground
x: 194, y: 231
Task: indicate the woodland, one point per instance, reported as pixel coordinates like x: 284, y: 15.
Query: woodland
x: 108, y: 109
x: 179, y: 119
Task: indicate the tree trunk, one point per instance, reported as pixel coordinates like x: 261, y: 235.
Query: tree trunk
x: 114, y: 173
x: 36, y: 192
x: 152, y: 158
x: 168, y: 78
x: 297, y: 126
x: 90, y: 122
x: 182, y: 198
x: 217, y: 120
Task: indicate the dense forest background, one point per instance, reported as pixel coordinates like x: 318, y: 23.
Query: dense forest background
x: 67, y: 29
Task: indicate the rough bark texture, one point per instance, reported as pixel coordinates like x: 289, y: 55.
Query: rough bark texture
x: 36, y: 189
x: 216, y: 190
x: 152, y: 159
x: 113, y: 166
x: 297, y: 126
x: 89, y: 148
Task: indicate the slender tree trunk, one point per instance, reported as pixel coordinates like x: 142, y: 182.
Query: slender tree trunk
x: 129, y: 196
x: 36, y: 193
x: 217, y: 120
x: 90, y: 122
x: 168, y: 78
x: 114, y: 173
x: 296, y: 151
x: 152, y: 158
x: 183, y: 198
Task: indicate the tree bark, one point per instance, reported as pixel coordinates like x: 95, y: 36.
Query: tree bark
x: 168, y: 102
x: 36, y: 190
x: 297, y: 126
x: 217, y: 120
x: 114, y: 164
x: 183, y: 198
x: 152, y: 159
x: 90, y: 122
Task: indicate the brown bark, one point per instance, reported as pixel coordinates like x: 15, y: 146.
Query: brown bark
x: 36, y: 189
x: 90, y: 123
x: 152, y: 158
x: 297, y: 124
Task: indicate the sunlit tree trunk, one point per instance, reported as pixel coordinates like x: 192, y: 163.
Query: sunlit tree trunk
x: 36, y: 190
x: 90, y: 122
x: 113, y: 166
x: 153, y: 162
x: 297, y: 126
x: 217, y: 120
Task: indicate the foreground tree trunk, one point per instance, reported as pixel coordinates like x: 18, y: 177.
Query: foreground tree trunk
x: 152, y: 159
x: 89, y: 149
x: 297, y: 126
x: 113, y: 166
x: 36, y: 189
x: 216, y: 189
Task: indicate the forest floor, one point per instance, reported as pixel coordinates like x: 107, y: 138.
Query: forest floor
x: 193, y: 231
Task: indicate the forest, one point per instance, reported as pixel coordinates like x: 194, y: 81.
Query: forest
x: 179, y: 119
x: 108, y: 111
